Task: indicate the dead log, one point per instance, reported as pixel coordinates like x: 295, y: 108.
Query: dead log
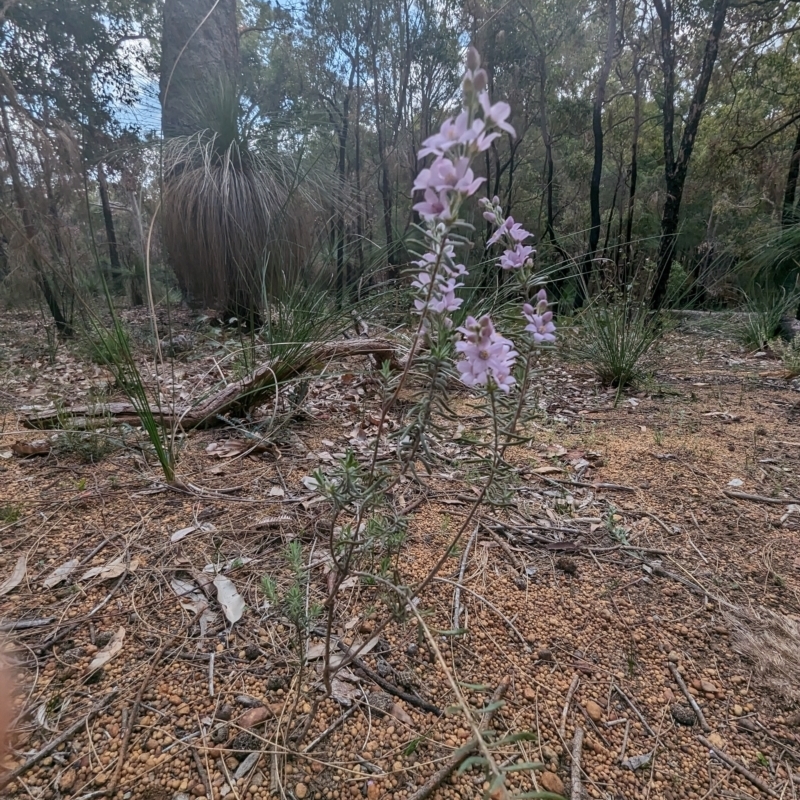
x: 235, y: 398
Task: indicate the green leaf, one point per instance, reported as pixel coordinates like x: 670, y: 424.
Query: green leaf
x: 468, y: 763
x: 538, y: 796
x: 527, y: 766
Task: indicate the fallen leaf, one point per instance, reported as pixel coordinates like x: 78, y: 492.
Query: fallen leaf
x: 15, y: 579
x: 41, y: 447
x: 276, y: 491
x: 736, y: 482
x: 206, y: 527
x: 400, y: 714
x: 60, y: 574
x: 253, y: 716
x: 108, y: 652
x: 231, y: 448
x: 111, y: 570
x: 6, y: 453
x: 273, y: 522
x: 546, y: 470
x: 230, y: 600
x: 344, y: 692
x: 637, y: 762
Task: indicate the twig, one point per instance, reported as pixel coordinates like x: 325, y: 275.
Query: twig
x: 134, y: 711
x: 211, y: 675
x: 760, y: 498
x: 737, y: 767
x: 506, y: 547
x: 632, y: 706
x: 461, y: 571
x: 331, y: 728
x: 384, y: 684
x: 494, y: 608
x: 25, y: 624
x: 692, y: 702
x: 203, y: 772
x: 59, y: 740
x: 562, y: 728
x: 438, y: 778
x: 577, y: 745
x: 624, y: 741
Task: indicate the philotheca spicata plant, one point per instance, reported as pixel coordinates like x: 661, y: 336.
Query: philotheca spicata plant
x: 487, y: 362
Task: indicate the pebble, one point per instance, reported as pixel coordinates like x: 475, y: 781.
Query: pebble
x: 594, y: 710
x: 716, y: 740
x: 709, y: 687
x: 674, y: 657
x: 551, y: 782
x: 738, y: 710
x: 300, y: 791
x: 529, y: 693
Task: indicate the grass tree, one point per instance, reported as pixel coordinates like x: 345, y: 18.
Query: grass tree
x: 236, y: 216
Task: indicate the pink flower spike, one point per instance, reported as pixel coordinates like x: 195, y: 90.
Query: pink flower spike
x: 516, y: 257
x: 540, y: 325
x: 496, y: 114
x: 487, y: 355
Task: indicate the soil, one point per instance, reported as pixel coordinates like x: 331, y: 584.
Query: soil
x: 622, y: 544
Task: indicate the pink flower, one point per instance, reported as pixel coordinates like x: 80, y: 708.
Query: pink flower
x: 496, y: 114
x: 445, y: 174
x: 487, y: 355
x: 516, y: 257
x: 540, y: 324
x: 513, y: 230
x: 435, y: 206
x: 452, y: 132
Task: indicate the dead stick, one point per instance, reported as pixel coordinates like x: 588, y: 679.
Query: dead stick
x: 737, y: 767
x: 577, y: 745
x: 632, y: 706
x: 134, y: 711
x: 59, y: 740
x: 331, y: 728
x: 203, y: 772
x: 624, y: 741
x: 692, y: 702
x: 759, y: 498
x: 562, y: 728
x: 461, y: 755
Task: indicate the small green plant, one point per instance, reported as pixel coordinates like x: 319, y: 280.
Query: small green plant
x: 764, y: 311
x: 9, y: 514
x: 615, y: 339
x: 789, y: 354
x: 112, y: 348
x: 658, y: 436
x: 269, y: 589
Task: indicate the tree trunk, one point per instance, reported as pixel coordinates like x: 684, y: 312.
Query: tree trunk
x: 342, y: 267
x: 597, y: 133
x: 63, y: 325
x: 634, y: 170
x: 788, y: 212
x: 108, y: 220
x: 199, y: 59
x: 675, y: 168
x: 385, y: 184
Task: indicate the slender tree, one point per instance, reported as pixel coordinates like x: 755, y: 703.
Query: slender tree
x: 676, y: 164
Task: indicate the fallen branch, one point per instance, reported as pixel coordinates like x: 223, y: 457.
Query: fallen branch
x: 461, y: 755
x: 737, y: 767
x: 236, y: 397
x: 632, y: 706
x: 692, y: 702
x: 331, y: 728
x: 562, y: 728
x: 577, y: 746
x: 59, y: 740
x: 760, y: 498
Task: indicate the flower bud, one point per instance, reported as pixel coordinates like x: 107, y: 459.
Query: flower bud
x: 473, y: 59
x: 480, y: 80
